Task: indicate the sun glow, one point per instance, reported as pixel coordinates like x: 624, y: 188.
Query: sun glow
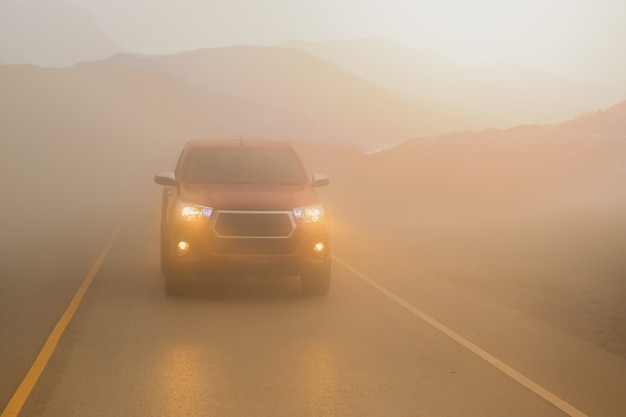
x: 482, y: 29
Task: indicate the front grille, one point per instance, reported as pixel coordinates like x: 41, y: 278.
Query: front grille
x: 260, y: 224
x: 253, y: 246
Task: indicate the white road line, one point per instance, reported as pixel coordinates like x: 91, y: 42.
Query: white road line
x: 503, y: 367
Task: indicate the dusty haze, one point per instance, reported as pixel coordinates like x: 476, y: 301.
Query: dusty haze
x: 579, y: 39
x: 484, y: 148
x: 532, y: 215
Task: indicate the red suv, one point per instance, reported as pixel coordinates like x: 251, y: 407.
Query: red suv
x: 243, y: 207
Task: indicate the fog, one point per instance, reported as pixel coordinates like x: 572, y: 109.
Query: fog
x: 577, y: 39
x: 526, y: 214
x: 508, y: 182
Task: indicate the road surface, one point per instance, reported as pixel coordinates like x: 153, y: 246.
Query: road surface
x: 390, y: 339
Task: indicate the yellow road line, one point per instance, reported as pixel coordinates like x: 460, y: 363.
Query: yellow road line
x: 506, y: 369
x: 22, y: 393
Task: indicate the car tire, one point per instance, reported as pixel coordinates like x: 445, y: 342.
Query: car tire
x: 316, y: 280
x: 176, y: 281
x: 176, y: 278
x: 164, y: 252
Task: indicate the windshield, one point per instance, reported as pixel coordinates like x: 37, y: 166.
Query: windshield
x: 244, y: 166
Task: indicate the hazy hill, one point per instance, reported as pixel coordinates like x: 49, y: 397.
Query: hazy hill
x: 490, y: 95
x: 50, y: 33
x: 609, y: 122
x: 291, y: 94
x: 77, y: 134
x: 66, y: 125
x: 467, y: 179
x: 576, y: 165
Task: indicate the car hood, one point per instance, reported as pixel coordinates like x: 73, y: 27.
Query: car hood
x: 248, y: 197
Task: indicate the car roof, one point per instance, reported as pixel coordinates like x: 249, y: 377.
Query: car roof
x: 236, y: 143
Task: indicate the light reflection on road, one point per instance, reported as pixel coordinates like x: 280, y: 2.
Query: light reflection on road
x: 186, y: 382
x: 320, y: 379
x: 193, y: 379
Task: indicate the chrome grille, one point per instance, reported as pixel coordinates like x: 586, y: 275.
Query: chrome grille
x: 254, y: 246
x: 254, y: 224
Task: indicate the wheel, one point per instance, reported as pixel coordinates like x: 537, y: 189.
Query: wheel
x: 176, y: 277
x: 164, y: 253
x: 164, y: 235
x: 316, y: 280
x: 176, y: 280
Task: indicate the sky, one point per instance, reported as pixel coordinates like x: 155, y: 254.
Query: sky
x: 578, y: 39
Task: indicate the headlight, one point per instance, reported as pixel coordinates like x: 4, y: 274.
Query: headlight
x: 193, y: 212
x: 310, y: 214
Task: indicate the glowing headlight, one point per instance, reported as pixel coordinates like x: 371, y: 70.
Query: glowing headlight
x: 192, y: 212
x: 310, y: 214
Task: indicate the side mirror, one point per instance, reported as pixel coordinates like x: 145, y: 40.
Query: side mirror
x: 320, y: 180
x: 165, y: 178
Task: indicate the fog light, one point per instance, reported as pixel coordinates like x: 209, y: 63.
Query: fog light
x: 319, y: 248
x: 183, y: 247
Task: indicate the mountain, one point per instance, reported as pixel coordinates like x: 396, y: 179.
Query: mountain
x: 488, y: 95
x: 66, y: 126
x: 608, y: 122
x: 290, y: 94
x: 50, y: 33
x: 578, y: 165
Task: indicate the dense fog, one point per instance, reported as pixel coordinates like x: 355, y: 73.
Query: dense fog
x: 533, y: 215
x: 477, y: 208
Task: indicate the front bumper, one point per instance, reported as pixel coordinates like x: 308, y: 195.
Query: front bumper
x: 205, y: 251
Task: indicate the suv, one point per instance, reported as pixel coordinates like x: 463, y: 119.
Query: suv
x: 245, y: 208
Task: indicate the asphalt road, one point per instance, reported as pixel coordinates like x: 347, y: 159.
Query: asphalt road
x: 390, y: 339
